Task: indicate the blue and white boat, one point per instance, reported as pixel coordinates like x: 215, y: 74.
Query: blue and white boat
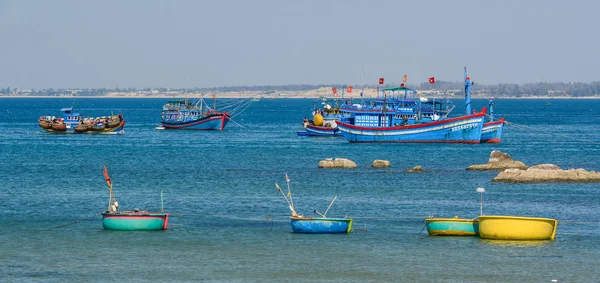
x: 324, y: 122
x: 315, y: 225
x: 491, y: 131
x: 73, y: 122
x: 183, y: 114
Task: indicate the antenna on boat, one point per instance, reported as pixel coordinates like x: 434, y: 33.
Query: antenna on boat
x: 287, y: 200
x: 162, y: 206
x: 324, y: 215
x: 480, y: 191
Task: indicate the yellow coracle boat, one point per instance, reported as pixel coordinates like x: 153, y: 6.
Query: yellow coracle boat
x: 517, y: 228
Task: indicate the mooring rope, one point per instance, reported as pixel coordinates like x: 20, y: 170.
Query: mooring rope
x: 74, y: 222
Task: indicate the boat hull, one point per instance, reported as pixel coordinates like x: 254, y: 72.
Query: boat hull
x: 321, y: 225
x: 316, y: 131
x: 120, y: 129
x: 465, y: 129
x: 517, y: 228
x: 452, y: 227
x: 492, y: 131
x: 210, y: 122
x: 135, y: 221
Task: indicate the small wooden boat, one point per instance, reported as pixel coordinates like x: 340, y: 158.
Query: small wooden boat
x: 517, y: 228
x: 45, y: 122
x: 317, y: 225
x: 136, y: 220
x: 452, y: 226
x: 59, y: 126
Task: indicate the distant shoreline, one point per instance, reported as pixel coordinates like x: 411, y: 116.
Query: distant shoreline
x: 290, y: 97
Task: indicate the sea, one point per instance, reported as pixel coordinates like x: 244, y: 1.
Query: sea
x: 229, y: 223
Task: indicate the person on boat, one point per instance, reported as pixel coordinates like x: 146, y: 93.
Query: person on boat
x: 305, y: 122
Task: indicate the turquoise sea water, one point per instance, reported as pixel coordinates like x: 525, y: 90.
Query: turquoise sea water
x: 221, y: 184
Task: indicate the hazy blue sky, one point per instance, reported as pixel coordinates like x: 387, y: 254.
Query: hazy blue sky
x: 149, y: 43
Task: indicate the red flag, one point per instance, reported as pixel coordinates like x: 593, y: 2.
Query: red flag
x: 214, y: 96
x: 106, y: 176
x: 334, y: 90
x: 349, y: 89
x: 432, y: 80
x: 405, y: 78
x: 380, y: 81
x: 402, y: 85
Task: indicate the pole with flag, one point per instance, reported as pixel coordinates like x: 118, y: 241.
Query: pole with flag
x: 111, y: 198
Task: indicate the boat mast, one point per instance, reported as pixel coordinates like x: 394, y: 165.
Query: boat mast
x: 468, y: 85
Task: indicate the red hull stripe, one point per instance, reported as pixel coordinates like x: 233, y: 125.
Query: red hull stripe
x: 413, y: 126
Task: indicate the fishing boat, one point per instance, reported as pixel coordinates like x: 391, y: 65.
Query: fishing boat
x: 491, y: 131
x: 452, y: 226
x: 315, y: 225
x: 135, y: 220
x: 73, y: 122
x: 185, y: 114
x: 516, y: 228
x: 397, y: 116
x: 324, y: 120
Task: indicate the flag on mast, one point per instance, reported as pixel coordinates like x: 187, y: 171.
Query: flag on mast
x: 106, y: 176
x: 432, y: 80
x: 405, y: 78
x: 334, y: 90
x: 349, y: 89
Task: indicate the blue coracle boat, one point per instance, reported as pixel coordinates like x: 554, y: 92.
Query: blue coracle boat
x: 452, y: 227
x: 317, y: 225
x: 183, y: 114
x: 136, y: 220
x: 321, y: 225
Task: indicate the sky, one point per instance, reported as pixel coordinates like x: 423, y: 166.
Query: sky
x: 184, y: 44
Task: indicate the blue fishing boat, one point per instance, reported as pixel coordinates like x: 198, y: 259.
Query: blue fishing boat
x: 452, y: 226
x: 184, y: 114
x: 315, y: 225
x: 73, y: 122
x: 397, y: 116
x: 491, y: 131
x: 136, y: 220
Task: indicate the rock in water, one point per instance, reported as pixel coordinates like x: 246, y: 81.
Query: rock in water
x: 499, y: 161
x: 337, y: 163
x: 417, y: 168
x: 380, y: 163
x: 545, y: 173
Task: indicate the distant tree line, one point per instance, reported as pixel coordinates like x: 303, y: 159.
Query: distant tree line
x: 576, y: 89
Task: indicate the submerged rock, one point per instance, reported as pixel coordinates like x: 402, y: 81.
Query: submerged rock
x: 545, y: 173
x: 380, y: 163
x: 337, y: 163
x: 417, y: 168
x: 499, y: 161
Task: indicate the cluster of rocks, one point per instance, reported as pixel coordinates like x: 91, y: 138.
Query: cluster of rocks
x: 517, y: 172
x: 347, y: 163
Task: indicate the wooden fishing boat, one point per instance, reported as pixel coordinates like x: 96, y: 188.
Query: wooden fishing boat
x: 315, y: 225
x: 45, y: 122
x: 136, y: 220
x: 516, y: 228
x: 452, y: 226
x: 73, y: 122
